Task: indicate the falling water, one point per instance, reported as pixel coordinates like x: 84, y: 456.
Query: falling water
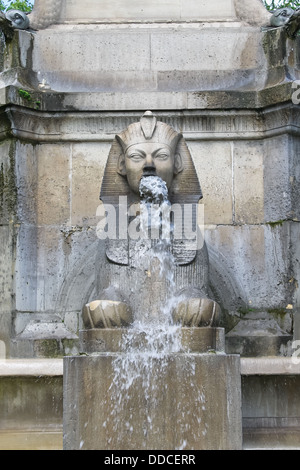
x: 155, y: 223
x: 147, y: 345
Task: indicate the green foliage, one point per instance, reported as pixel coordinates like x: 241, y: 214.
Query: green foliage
x: 274, y: 4
x: 27, y: 96
x: 23, y: 5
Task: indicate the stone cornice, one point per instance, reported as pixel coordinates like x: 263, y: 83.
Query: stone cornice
x: 202, y: 124
x: 31, y: 367
x: 117, y: 101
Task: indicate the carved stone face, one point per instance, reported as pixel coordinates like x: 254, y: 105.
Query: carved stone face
x: 146, y: 159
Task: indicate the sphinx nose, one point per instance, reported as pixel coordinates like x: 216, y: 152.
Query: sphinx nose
x: 149, y: 170
x: 149, y: 166
x: 149, y: 161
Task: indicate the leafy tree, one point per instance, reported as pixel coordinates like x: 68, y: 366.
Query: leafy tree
x: 23, y: 5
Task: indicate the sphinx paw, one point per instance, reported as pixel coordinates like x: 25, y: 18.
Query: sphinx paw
x: 106, y: 314
x: 197, y: 312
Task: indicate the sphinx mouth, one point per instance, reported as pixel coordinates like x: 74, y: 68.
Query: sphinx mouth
x: 149, y: 171
x: 153, y: 189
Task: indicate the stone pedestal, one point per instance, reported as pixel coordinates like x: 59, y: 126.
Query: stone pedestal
x: 186, y: 400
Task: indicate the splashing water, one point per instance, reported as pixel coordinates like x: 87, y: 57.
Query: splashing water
x: 155, y: 213
x: 153, y: 190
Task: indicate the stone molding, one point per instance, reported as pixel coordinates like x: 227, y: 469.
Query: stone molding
x: 54, y: 367
x: 269, y: 366
x: 31, y: 367
x: 244, y: 124
x: 193, y: 340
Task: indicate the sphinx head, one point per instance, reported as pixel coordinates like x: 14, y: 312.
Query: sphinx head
x: 149, y: 148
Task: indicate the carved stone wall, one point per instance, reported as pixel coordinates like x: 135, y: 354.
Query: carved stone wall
x: 65, y: 91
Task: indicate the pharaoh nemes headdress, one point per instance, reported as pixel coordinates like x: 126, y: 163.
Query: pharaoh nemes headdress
x: 185, y: 187
x: 148, y: 129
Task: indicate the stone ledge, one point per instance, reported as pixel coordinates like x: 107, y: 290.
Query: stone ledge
x: 271, y: 365
x: 193, y: 340
x: 162, y: 25
x: 266, y: 438
x: 29, y: 439
x: 31, y: 367
x: 54, y: 367
x: 159, y: 100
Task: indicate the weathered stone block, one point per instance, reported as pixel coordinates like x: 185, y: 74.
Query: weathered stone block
x: 248, y: 182
x: 31, y: 403
x: 213, y: 162
x: 6, y: 283
x: 40, y: 266
x: 256, y: 259
x: 53, y: 184
x: 294, y: 178
x: 295, y: 254
x: 55, y: 268
x: 281, y: 173
x: 192, y: 401
x: 107, y: 50
x: 43, y: 175
x: 154, y: 10
x: 88, y: 162
x: 259, y: 337
x: 199, y: 340
x: 271, y: 414
x: 8, y: 189
x: 186, y: 50
x: 145, y: 59
x: 27, y: 181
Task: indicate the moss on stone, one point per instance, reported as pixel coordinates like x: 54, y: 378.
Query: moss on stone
x: 54, y: 348
x: 27, y: 97
x: 279, y: 312
x: 276, y: 223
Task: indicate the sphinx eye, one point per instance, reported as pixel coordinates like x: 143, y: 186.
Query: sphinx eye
x: 136, y: 156
x: 162, y: 156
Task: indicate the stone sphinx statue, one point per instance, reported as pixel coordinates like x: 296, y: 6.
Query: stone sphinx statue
x: 140, y: 275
